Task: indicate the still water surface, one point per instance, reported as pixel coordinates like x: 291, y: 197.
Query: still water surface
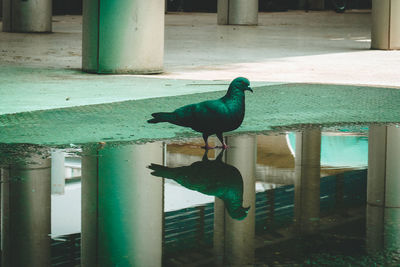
x: 290, y: 198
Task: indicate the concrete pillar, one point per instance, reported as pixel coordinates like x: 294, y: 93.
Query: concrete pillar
x: 307, y: 180
x: 385, y: 32
x: 123, y: 36
x: 122, y: 206
x: 223, y: 12
x: 57, y: 171
x: 383, y: 199
x: 237, y: 12
x: 27, y: 16
x: 26, y: 207
x: 234, y: 239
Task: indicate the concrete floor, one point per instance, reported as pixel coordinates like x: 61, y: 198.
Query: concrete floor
x: 42, y: 71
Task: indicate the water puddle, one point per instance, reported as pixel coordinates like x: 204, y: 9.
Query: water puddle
x: 292, y: 197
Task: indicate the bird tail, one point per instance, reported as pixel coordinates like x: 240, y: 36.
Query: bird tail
x: 162, y: 117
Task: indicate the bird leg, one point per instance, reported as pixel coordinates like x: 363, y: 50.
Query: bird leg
x: 205, y: 155
x: 221, y: 138
x: 206, y: 147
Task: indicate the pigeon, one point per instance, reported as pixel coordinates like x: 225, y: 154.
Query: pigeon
x: 213, y: 116
x: 210, y: 177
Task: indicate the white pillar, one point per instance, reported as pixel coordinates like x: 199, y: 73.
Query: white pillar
x: 237, y: 12
x: 385, y: 31
x: 26, y: 207
x: 383, y: 199
x: 123, y: 36
x: 307, y: 180
x: 122, y: 206
x: 234, y: 239
x: 27, y: 15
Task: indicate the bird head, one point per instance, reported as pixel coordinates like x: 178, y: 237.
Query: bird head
x: 239, y: 213
x: 242, y: 84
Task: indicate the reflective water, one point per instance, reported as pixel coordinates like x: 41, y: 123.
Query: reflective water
x: 292, y: 198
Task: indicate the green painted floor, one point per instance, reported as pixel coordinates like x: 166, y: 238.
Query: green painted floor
x: 270, y: 106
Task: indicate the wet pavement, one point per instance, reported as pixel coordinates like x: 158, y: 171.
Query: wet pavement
x: 269, y: 107
x: 300, y: 197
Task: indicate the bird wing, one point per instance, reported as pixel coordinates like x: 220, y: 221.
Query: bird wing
x: 208, y: 116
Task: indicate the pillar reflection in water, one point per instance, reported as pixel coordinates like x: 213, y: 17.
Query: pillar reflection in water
x: 57, y: 171
x: 383, y: 187
x: 25, y: 219
x: 307, y: 180
x: 234, y: 239
x: 122, y: 206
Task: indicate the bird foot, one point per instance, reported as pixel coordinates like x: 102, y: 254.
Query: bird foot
x: 223, y: 146
x: 207, y: 147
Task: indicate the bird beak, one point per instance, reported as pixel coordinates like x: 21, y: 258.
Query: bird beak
x: 249, y: 88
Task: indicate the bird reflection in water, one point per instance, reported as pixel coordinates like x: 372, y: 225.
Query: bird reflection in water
x: 210, y: 177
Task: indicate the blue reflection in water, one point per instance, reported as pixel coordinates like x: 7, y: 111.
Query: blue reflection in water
x: 339, y: 150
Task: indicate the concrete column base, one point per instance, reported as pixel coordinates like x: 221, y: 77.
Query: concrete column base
x: 27, y: 16
x: 121, y: 37
x: 237, y: 12
x: 385, y: 31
